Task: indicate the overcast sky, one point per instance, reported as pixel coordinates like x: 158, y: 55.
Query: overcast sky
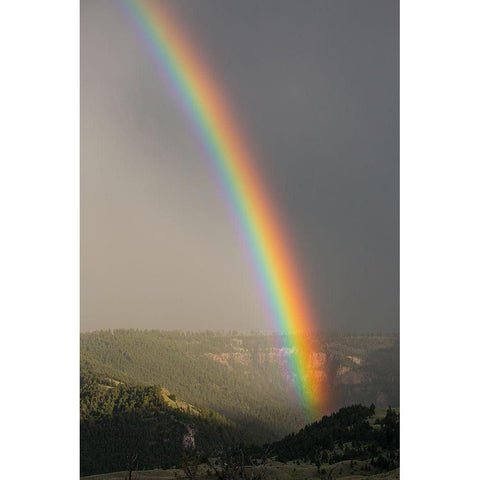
x: 314, y: 85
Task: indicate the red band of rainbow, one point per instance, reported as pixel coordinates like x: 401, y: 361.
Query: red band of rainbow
x: 194, y: 85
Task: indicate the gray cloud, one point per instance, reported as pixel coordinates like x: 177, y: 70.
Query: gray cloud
x: 315, y: 86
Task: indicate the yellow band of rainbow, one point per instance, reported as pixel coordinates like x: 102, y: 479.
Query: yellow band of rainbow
x: 194, y: 85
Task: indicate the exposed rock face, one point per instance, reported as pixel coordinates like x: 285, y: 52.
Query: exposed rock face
x: 347, y: 376
x: 355, y: 372
x: 189, y: 439
x: 243, y: 356
x: 355, y: 360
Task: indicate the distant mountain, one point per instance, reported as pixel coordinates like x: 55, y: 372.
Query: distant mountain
x: 244, y: 377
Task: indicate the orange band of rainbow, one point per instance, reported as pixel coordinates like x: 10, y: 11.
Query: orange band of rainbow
x: 207, y: 109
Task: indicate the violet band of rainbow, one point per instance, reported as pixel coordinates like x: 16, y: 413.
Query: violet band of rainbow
x: 193, y: 84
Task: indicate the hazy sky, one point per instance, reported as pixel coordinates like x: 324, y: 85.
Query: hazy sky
x: 314, y: 85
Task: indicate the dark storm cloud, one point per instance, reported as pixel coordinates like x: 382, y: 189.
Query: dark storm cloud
x: 315, y: 86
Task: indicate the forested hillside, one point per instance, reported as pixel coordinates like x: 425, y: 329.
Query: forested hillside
x: 119, y: 421
x: 243, y: 377
x: 352, y: 433
x: 146, y: 427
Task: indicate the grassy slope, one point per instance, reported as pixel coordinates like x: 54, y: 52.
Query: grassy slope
x: 275, y: 471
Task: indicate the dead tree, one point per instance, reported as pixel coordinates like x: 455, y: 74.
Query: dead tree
x: 190, y: 464
x: 131, y: 464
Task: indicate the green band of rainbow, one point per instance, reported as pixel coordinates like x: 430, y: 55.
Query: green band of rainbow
x: 201, y: 98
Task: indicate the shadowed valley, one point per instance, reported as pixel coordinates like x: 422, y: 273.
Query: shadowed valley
x: 157, y: 395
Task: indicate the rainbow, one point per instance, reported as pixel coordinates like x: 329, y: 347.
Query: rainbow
x: 195, y: 87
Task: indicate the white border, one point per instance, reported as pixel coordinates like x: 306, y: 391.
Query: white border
x: 439, y: 238
x: 40, y: 243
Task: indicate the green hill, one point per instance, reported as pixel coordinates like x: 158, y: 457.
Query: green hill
x: 349, y: 434
x: 244, y: 377
x: 160, y: 432
x: 118, y: 421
